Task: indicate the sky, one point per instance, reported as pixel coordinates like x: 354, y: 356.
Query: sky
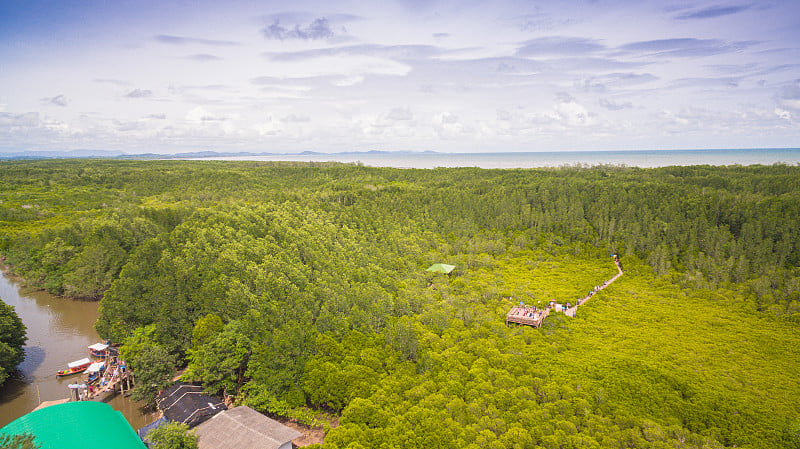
x: 408, y: 75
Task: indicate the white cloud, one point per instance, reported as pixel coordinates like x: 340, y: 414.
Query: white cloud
x: 182, y: 40
x: 58, y: 100
x: 293, y: 118
x: 503, y: 115
x: 318, y: 29
x: 400, y: 114
x: 783, y: 114
x: 25, y: 120
x: 349, y: 67
x: 139, y: 93
x: 571, y: 114
x: 675, y: 119
x: 791, y: 103
x: 480, y: 76
x: 348, y: 81
x: 448, y: 126
x: 200, y: 114
x: 612, y: 105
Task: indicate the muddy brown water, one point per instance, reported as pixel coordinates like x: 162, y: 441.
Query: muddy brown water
x: 59, y: 331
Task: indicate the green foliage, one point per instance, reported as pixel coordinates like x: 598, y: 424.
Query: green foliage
x: 205, y: 329
x: 93, y: 269
x: 172, y: 435
x: 258, y: 397
x: 279, y: 361
x: 152, y: 364
x: 793, y: 434
x: 154, y: 369
x: 21, y: 441
x: 289, y: 286
x: 12, y: 339
x: 220, y: 363
x: 590, y: 381
x: 342, y: 371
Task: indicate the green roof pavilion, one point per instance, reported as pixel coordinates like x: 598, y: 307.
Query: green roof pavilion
x: 77, y: 425
x: 441, y: 268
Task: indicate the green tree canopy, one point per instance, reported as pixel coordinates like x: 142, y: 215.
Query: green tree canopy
x: 304, y: 285
x: 12, y: 339
x: 21, y: 441
x: 153, y: 364
x: 172, y: 435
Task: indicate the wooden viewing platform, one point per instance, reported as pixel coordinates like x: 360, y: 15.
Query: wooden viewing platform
x: 527, y: 316
x: 531, y: 316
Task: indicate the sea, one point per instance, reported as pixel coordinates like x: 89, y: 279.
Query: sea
x: 630, y: 158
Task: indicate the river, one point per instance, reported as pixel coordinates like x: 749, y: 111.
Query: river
x: 59, y: 331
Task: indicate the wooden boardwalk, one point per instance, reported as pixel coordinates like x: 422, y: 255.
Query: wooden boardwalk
x: 530, y: 316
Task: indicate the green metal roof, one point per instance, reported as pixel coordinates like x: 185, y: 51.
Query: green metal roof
x: 441, y: 268
x: 77, y: 425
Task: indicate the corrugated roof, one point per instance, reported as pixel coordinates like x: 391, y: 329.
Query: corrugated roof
x: 188, y: 404
x: 77, y: 425
x: 243, y: 428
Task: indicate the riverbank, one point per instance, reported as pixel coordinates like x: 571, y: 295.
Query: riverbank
x: 5, y: 270
x: 59, y: 331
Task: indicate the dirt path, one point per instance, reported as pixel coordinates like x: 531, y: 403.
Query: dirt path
x: 311, y: 434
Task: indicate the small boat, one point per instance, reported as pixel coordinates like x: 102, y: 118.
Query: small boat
x: 75, y: 367
x: 94, y: 371
x: 98, y: 350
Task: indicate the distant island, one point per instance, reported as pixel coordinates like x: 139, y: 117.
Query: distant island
x: 433, y: 159
x: 110, y: 154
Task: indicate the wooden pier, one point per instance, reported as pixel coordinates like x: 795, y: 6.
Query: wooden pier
x: 116, y: 378
x: 531, y: 316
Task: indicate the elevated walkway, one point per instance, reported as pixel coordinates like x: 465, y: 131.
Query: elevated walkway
x: 531, y: 316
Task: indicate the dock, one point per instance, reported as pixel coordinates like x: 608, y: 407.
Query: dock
x: 116, y: 378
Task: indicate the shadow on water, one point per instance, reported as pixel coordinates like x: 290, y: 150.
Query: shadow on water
x: 21, y: 378
x: 34, y: 357
x: 138, y: 416
x: 14, y: 388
